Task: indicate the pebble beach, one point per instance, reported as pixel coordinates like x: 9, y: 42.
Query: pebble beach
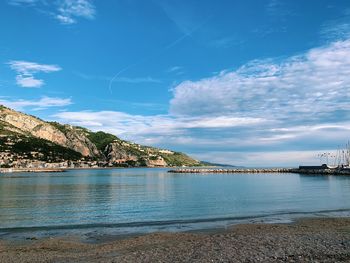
x: 307, y: 240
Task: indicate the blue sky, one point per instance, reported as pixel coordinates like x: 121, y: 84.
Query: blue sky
x: 255, y: 83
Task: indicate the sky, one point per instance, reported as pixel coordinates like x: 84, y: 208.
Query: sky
x: 253, y: 83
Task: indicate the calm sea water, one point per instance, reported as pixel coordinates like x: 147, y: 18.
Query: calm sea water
x: 123, y: 201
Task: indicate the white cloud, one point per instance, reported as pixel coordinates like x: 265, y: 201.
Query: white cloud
x: 338, y: 28
x: 338, y: 31
x: 133, y: 126
x: 28, y: 81
x: 69, y: 10
x: 65, y: 11
x: 26, y: 71
x: 305, y: 86
x: 43, y: 103
x: 25, y: 67
x: 65, y: 19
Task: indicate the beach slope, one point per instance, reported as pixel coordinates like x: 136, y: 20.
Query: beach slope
x: 308, y: 240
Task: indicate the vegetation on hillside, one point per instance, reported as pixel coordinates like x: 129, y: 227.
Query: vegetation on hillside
x: 179, y: 159
x: 101, y: 139
x: 35, y: 148
x: 59, y: 126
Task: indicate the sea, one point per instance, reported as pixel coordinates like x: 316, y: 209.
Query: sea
x: 99, y: 204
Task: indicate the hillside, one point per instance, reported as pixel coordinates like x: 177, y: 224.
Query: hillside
x: 27, y: 141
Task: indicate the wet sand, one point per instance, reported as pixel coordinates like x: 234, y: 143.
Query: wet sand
x: 307, y: 240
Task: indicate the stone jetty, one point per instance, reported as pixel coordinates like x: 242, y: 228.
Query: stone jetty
x: 235, y: 170
x: 336, y: 171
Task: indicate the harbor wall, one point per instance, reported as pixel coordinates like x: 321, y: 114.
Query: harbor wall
x: 265, y: 170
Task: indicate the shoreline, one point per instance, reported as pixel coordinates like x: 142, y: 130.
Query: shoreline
x: 32, y: 170
x: 321, y: 239
x: 58, y: 170
x: 190, y: 225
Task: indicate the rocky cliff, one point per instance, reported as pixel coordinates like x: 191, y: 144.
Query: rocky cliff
x: 64, y: 135
x: 27, y: 140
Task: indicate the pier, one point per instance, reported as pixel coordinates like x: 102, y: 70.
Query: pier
x: 234, y: 170
x: 335, y: 171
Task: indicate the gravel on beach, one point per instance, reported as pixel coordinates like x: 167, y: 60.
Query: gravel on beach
x: 307, y: 240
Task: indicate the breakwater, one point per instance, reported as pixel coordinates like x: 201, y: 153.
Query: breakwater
x: 264, y: 170
x: 235, y: 170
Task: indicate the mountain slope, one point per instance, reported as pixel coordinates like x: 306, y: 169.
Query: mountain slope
x: 32, y: 126
x: 26, y: 140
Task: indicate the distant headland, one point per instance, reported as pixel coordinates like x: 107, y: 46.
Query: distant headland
x: 29, y: 143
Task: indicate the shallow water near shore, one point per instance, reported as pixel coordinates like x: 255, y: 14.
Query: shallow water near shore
x: 96, y: 204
